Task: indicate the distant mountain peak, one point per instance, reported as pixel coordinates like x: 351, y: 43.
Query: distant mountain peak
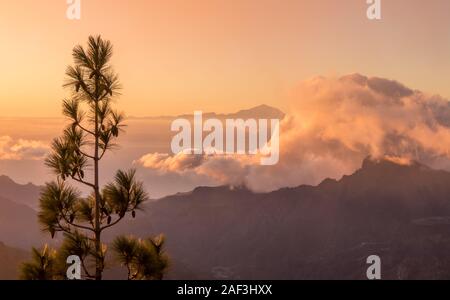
x: 6, y: 180
x: 262, y: 111
x: 27, y: 194
x: 263, y: 108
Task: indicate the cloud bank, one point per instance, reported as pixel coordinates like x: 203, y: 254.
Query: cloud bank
x: 333, y: 124
x: 21, y: 149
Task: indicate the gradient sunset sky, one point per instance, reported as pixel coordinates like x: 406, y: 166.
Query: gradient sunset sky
x: 177, y: 56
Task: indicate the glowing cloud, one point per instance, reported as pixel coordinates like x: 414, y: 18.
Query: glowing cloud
x: 11, y: 149
x: 333, y: 124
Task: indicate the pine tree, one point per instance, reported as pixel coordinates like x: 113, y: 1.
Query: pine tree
x: 76, y: 156
x: 144, y: 259
x: 43, y: 266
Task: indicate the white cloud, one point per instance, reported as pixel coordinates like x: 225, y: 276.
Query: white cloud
x: 333, y: 124
x: 20, y: 149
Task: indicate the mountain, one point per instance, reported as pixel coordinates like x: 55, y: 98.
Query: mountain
x: 18, y: 214
x: 399, y: 212
x: 19, y: 228
x: 259, y: 112
x: 23, y: 194
x: 19, y: 225
x: 10, y: 261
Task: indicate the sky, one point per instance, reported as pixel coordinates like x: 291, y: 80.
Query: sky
x: 178, y: 56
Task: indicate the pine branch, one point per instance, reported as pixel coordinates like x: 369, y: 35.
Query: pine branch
x: 86, y: 270
x: 112, y: 224
x: 87, y: 155
x: 76, y: 225
x: 83, y: 182
x: 103, y: 153
x: 85, y: 129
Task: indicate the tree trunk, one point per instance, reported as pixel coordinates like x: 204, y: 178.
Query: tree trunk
x: 98, y: 243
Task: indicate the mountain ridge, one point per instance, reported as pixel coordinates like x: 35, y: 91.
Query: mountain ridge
x: 260, y: 111
x: 27, y: 194
x: 314, y: 232
x: 10, y: 261
x: 400, y: 212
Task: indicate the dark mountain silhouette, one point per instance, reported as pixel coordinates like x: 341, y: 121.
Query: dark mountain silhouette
x: 18, y: 225
x: 401, y: 213
x: 18, y: 218
x: 259, y: 112
x: 10, y: 261
x: 27, y: 194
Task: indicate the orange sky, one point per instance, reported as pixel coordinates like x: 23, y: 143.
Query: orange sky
x: 177, y: 56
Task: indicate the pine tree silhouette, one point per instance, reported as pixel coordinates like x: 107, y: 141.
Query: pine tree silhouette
x: 76, y: 155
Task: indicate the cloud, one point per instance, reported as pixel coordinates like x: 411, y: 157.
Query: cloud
x: 333, y: 124
x: 167, y: 163
x: 233, y: 167
x: 21, y: 149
